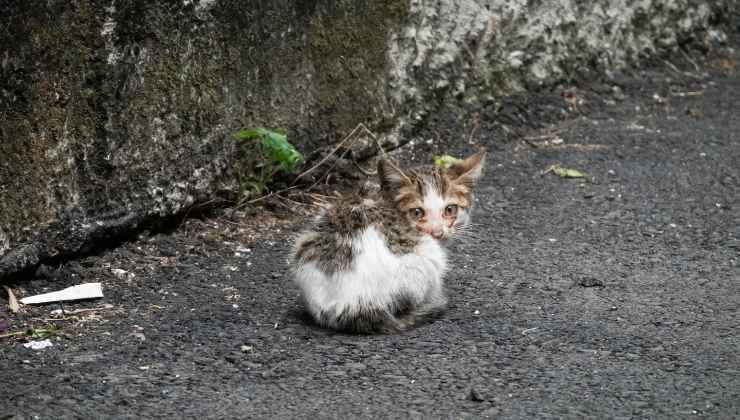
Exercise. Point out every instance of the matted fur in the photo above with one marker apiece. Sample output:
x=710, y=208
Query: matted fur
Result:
x=376, y=262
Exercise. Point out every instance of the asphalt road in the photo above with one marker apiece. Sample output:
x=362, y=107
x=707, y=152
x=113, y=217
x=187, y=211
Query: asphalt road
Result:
x=610, y=296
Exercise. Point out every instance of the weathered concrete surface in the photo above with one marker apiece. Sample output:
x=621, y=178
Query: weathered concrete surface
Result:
x=115, y=112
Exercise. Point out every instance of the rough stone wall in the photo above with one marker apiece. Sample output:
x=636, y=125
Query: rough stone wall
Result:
x=118, y=110
x=479, y=50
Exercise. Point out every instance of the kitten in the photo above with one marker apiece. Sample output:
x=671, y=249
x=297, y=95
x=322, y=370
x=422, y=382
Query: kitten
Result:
x=375, y=263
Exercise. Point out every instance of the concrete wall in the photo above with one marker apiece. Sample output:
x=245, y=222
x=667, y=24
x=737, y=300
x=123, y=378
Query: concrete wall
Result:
x=112, y=112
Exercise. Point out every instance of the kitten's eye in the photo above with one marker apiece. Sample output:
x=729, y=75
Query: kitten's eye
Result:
x=417, y=213
x=451, y=210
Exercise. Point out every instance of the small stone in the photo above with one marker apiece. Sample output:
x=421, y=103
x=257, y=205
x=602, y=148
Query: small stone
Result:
x=590, y=282
x=474, y=395
x=492, y=412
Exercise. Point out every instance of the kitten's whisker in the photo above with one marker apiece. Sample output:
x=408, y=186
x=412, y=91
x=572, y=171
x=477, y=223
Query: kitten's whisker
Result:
x=467, y=233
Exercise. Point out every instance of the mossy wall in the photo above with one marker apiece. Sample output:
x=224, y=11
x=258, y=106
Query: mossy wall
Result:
x=115, y=111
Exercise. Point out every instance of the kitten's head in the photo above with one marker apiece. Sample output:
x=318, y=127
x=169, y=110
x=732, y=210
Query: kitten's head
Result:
x=436, y=201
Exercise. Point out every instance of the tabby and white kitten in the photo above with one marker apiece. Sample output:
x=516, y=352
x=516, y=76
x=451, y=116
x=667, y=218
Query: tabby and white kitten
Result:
x=375, y=263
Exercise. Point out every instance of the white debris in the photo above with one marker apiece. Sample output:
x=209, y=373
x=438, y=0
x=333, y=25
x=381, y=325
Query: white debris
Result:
x=138, y=333
x=122, y=274
x=80, y=291
x=38, y=345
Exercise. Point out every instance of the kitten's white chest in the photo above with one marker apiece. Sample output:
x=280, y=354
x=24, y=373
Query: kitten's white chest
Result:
x=375, y=260
x=377, y=277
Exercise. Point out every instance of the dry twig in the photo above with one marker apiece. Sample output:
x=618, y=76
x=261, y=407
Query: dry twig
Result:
x=346, y=138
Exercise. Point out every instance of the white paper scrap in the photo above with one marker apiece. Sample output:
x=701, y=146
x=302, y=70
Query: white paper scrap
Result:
x=80, y=291
x=38, y=345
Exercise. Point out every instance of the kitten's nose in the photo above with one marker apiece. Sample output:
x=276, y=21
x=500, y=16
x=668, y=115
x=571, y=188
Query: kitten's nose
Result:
x=437, y=233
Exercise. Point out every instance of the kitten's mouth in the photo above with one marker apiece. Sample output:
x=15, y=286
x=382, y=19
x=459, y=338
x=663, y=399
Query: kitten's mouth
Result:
x=442, y=238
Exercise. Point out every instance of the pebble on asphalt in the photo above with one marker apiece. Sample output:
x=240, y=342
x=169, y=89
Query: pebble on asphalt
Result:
x=590, y=282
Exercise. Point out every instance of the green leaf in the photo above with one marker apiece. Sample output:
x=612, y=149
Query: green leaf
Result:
x=445, y=161
x=565, y=172
x=246, y=134
x=41, y=333
x=259, y=161
x=275, y=145
x=280, y=151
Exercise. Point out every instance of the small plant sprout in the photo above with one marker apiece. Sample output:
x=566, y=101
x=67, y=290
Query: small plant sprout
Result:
x=262, y=154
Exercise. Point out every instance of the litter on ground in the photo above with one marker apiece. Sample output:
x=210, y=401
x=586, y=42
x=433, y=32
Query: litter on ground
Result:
x=80, y=291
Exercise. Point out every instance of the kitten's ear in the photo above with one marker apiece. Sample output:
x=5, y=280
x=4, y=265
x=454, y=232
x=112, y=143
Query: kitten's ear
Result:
x=470, y=168
x=390, y=175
